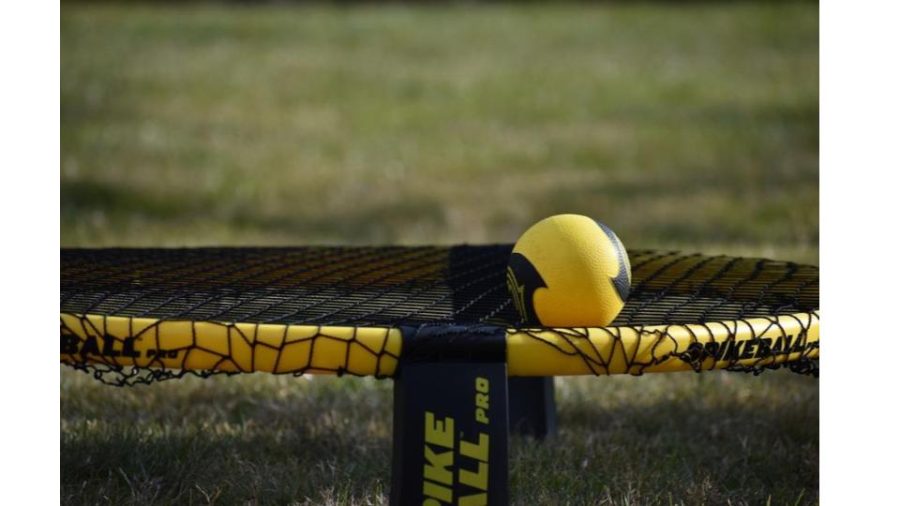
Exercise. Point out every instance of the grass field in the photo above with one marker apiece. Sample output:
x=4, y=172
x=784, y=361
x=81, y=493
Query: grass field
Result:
x=690, y=127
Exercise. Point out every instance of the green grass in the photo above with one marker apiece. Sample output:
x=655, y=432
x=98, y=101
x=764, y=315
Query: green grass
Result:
x=691, y=127
x=656, y=439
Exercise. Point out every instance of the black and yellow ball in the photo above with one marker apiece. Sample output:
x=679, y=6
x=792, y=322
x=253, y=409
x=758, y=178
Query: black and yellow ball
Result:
x=569, y=270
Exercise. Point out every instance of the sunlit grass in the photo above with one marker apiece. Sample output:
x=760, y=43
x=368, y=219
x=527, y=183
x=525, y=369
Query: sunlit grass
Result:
x=691, y=127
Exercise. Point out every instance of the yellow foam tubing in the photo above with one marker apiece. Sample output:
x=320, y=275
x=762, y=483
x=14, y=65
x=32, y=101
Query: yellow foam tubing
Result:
x=364, y=351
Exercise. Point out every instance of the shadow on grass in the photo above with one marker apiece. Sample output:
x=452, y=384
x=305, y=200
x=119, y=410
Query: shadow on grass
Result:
x=707, y=444
x=151, y=464
x=266, y=440
x=325, y=444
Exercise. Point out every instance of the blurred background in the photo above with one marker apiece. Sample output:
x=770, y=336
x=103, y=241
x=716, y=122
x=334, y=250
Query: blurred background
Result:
x=690, y=126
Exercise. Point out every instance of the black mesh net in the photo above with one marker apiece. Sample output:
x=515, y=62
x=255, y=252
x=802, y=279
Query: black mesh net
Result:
x=371, y=291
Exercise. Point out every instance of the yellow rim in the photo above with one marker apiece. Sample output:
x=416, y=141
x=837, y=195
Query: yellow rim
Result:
x=366, y=351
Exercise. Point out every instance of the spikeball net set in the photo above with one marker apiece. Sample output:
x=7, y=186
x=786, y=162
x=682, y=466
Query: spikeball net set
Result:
x=130, y=316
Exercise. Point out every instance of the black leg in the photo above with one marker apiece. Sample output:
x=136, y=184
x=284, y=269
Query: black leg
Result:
x=532, y=408
x=451, y=432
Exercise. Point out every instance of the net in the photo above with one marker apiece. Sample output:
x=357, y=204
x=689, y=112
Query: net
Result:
x=141, y=315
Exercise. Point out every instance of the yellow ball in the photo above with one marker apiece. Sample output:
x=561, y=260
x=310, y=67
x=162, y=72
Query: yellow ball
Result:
x=569, y=271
